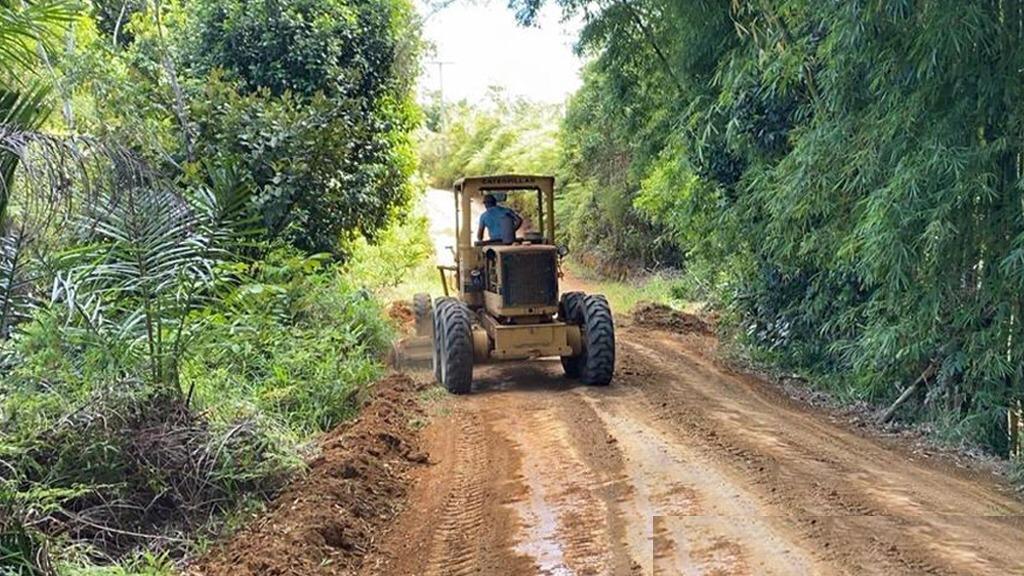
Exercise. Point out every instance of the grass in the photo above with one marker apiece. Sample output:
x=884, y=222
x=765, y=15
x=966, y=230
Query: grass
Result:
x=666, y=287
x=400, y=264
x=1017, y=473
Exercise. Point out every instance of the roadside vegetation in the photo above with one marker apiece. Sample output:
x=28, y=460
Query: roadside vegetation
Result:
x=501, y=134
x=203, y=202
x=192, y=199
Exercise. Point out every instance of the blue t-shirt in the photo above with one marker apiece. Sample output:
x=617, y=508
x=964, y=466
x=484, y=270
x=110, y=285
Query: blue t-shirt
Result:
x=500, y=223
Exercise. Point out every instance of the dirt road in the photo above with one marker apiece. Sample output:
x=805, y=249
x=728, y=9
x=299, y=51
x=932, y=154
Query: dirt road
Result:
x=681, y=467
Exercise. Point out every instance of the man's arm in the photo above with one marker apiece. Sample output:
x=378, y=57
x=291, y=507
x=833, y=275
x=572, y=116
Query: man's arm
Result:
x=480, y=229
x=517, y=220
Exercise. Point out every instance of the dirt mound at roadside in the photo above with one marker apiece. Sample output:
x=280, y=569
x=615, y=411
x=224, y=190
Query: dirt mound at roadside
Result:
x=402, y=315
x=325, y=521
x=663, y=317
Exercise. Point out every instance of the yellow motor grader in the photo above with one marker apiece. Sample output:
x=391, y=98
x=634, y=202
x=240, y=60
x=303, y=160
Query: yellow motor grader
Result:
x=501, y=300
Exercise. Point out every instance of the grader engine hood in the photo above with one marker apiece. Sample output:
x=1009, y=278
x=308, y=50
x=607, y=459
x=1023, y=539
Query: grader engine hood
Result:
x=521, y=280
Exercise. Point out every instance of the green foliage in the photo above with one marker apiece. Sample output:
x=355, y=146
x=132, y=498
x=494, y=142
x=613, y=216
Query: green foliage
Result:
x=25, y=25
x=150, y=257
x=665, y=286
x=334, y=47
x=22, y=552
x=26, y=30
x=303, y=345
x=287, y=351
x=313, y=96
x=399, y=252
x=327, y=158
x=112, y=18
x=166, y=353
x=503, y=135
x=848, y=174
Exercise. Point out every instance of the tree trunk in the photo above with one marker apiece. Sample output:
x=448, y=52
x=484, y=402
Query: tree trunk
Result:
x=928, y=374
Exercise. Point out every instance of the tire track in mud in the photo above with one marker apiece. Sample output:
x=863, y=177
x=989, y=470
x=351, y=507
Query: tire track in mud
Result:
x=694, y=519
x=682, y=467
x=563, y=517
x=837, y=522
x=837, y=489
x=455, y=551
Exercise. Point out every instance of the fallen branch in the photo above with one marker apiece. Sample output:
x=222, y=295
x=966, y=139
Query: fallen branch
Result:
x=108, y=529
x=923, y=379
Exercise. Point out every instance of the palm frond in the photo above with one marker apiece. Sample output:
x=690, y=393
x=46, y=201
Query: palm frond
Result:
x=26, y=111
x=16, y=281
x=58, y=173
x=151, y=256
x=24, y=25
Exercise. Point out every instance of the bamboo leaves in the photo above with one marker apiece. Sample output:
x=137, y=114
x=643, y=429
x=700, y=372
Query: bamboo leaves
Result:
x=851, y=172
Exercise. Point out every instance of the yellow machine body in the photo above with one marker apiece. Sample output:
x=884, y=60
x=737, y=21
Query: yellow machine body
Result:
x=511, y=288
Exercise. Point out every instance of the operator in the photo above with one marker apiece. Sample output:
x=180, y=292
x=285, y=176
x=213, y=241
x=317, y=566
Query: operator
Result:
x=501, y=222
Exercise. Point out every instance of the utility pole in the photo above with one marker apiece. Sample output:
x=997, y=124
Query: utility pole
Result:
x=440, y=76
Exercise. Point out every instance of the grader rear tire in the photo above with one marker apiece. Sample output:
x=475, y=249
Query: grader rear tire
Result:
x=570, y=311
x=455, y=353
x=423, y=312
x=597, y=364
x=440, y=307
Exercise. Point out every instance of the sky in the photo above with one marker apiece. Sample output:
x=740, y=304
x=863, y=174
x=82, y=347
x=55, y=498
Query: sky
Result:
x=481, y=46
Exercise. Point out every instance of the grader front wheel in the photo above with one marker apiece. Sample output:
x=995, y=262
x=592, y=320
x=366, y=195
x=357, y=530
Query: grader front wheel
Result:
x=596, y=363
x=453, y=346
x=423, y=312
x=570, y=311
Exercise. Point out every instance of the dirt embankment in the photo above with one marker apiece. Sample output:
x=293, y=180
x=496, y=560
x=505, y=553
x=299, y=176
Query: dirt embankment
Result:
x=325, y=521
x=401, y=313
x=662, y=317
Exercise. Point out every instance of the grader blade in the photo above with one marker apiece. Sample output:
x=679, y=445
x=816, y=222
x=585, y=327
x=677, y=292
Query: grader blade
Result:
x=416, y=351
x=412, y=352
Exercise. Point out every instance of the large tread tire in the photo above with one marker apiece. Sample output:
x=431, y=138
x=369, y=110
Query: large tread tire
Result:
x=570, y=307
x=570, y=311
x=423, y=312
x=456, y=352
x=598, y=359
x=437, y=335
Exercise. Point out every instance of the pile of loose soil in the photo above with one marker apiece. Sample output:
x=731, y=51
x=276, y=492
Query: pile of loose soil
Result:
x=326, y=521
x=402, y=315
x=663, y=317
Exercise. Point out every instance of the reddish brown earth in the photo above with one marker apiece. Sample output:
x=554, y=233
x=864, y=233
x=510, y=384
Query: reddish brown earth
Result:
x=662, y=317
x=327, y=520
x=682, y=466
x=400, y=312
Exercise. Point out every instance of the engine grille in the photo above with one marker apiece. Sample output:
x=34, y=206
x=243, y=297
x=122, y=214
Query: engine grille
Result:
x=530, y=279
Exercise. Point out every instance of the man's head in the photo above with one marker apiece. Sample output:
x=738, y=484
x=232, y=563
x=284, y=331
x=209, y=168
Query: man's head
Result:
x=490, y=201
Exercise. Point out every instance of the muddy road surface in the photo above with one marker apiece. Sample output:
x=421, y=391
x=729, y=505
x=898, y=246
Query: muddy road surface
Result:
x=681, y=467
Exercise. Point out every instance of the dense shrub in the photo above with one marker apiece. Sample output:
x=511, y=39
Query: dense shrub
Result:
x=116, y=466
x=314, y=98
x=174, y=325
x=302, y=345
